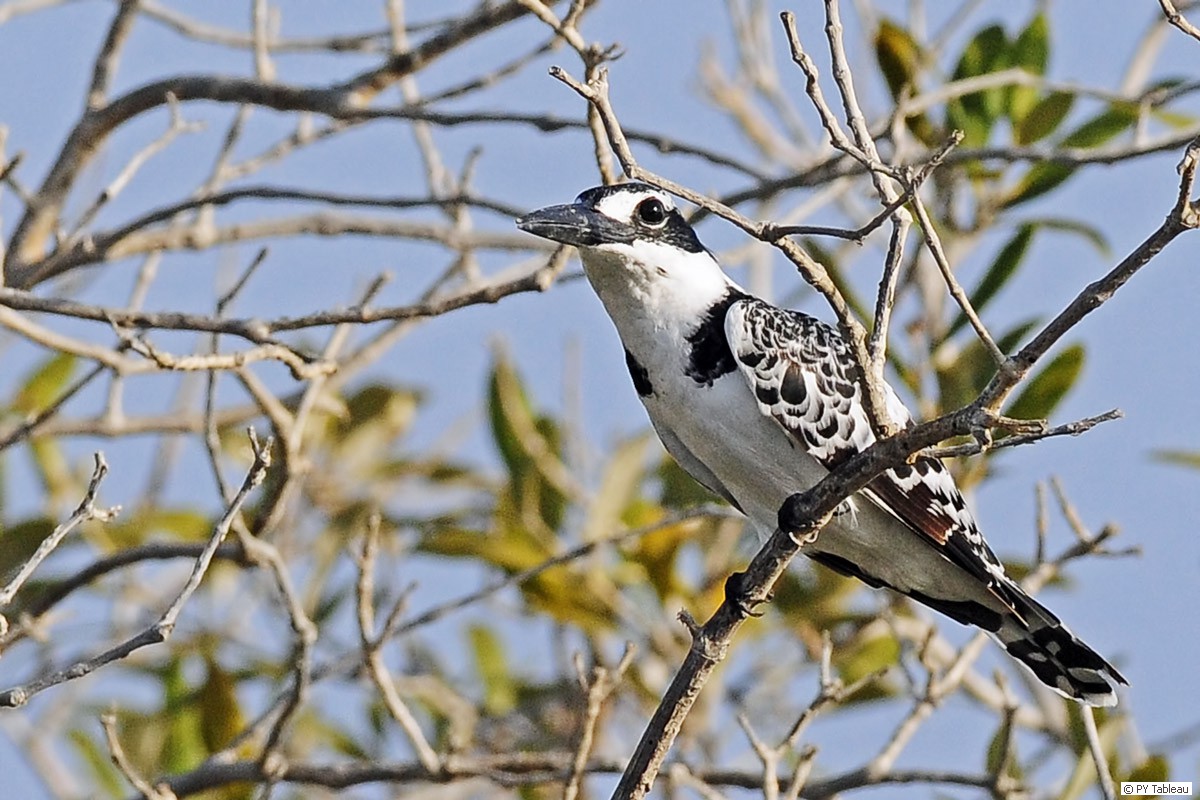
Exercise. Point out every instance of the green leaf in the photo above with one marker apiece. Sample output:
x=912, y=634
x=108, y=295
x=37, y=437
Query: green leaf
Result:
x=1047, y=389
x=899, y=56
x=867, y=654
x=45, y=385
x=975, y=113
x=1154, y=769
x=962, y=379
x=1084, y=774
x=183, y=748
x=500, y=691
x=1103, y=127
x=1037, y=180
x=1046, y=175
x=1043, y=118
x=680, y=490
x=829, y=261
x=18, y=542
x=527, y=444
x=622, y=477
x=1090, y=233
x=221, y=717
x=1183, y=458
x=181, y=524
x=98, y=762
x=1031, y=52
x=998, y=273
x=995, y=751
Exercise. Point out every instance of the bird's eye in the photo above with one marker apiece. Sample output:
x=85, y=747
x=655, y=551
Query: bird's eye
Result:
x=651, y=212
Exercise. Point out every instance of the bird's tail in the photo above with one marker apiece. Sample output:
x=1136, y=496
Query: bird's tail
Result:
x=1059, y=659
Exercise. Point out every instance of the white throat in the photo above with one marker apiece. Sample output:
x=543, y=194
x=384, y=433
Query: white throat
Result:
x=652, y=289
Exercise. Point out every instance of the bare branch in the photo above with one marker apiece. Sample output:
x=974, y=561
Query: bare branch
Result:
x=162, y=629
x=1176, y=18
x=85, y=512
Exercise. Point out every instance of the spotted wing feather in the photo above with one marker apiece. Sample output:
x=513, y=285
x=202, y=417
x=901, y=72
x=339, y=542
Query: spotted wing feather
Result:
x=803, y=376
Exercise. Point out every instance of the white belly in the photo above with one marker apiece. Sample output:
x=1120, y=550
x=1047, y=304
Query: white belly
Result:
x=760, y=465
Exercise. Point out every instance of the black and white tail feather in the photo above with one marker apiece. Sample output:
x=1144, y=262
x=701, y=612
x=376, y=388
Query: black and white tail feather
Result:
x=758, y=402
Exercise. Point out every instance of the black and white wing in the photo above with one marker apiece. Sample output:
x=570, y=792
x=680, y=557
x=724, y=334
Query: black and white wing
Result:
x=804, y=377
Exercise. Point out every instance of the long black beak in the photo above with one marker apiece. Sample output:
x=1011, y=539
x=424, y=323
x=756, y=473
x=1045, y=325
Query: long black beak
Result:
x=575, y=225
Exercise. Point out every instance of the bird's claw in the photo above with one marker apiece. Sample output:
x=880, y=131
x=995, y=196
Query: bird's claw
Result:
x=737, y=595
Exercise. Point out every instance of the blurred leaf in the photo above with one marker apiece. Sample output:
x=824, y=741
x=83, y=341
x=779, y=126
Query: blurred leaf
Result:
x=1030, y=51
x=962, y=379
x=997, y=274
x=53, y=469
x=680, y=490
x=867, y=656
x=181, y=524
x=1089, y=233
x=870, y=651
x=1047, y=389
x=375, y=417
x=525, y=442
x=98, y=762
x=828, y=260
x=45, y=384
x=1037, y=181
x=1154, y=769
x=509, y=550
x=975, y=113
x=1046, y=175
x=656, y=553
x=1183, y=458
x=500, y=692
x=1103, y=127
x=995, y=751
x=183, y=748
x=899, y=56
x=18, y=542
x=622, y=477
x=1043, y=118
x=221, y=717
x=1174, y=119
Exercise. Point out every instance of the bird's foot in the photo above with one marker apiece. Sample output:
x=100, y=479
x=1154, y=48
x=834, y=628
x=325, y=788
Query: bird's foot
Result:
x=737, y=594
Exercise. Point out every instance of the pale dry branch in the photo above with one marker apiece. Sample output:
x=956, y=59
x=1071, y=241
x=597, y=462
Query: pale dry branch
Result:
x=518, y=769
x=260, y=331
x=1176, y=18
x=85, y=512
x=161, y=630
x=934, y=243
x=372, y=640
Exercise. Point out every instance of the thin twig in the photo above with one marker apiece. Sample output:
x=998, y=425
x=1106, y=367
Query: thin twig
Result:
x=161, y=630
x=85, y=512
x=599, y=686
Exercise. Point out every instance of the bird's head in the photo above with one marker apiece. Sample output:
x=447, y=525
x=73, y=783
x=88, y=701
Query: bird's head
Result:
x=631, y=236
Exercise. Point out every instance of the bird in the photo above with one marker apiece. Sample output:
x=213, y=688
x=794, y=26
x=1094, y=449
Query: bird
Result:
x=758, y=403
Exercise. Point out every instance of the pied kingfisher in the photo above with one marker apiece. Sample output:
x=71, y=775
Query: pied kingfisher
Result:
x=758, y=402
